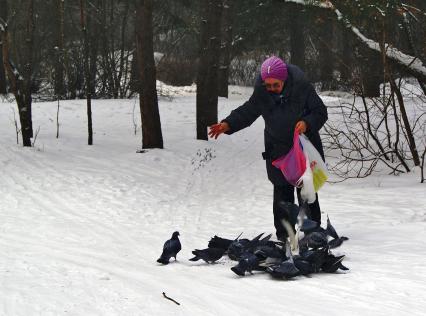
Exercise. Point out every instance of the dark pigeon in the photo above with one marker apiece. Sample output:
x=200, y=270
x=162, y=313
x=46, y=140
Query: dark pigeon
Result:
x=247, y=263
x=304, y=210
x=308, y=226
x=218, y=242
x=290, y=211
x=286, y=269
x=315, y=257
x=304, y=266
x=209, y=255
x=332, y=263
x=330, y=229
x=313, y=240
x=170, y=249
x=334, y=243
x=237, y=248
x=337, y=240
x=240, y=246
x=270, y=251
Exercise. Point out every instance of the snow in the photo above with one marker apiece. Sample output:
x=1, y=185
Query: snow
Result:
x=81, y=226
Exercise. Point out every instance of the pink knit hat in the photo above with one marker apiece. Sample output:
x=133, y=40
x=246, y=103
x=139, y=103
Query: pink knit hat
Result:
x=274, y=67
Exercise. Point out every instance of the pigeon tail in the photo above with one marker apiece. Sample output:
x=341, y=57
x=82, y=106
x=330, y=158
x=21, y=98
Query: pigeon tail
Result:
x=196, y=258
x=163, y=260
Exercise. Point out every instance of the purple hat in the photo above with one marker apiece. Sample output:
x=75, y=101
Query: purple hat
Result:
x=274, y=67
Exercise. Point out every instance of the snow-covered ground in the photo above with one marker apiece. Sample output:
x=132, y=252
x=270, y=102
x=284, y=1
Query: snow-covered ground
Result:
x=81, y=226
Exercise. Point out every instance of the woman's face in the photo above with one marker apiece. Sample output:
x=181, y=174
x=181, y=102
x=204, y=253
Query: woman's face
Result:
x=274, y=85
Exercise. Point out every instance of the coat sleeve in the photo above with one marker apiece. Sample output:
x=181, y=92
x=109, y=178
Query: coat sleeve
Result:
x=315, y=111
x=244, y=115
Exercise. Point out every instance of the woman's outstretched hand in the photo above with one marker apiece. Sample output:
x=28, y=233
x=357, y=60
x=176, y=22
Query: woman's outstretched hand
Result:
x=217, y=129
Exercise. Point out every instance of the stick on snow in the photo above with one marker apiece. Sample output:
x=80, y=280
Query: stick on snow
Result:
x=165, y=296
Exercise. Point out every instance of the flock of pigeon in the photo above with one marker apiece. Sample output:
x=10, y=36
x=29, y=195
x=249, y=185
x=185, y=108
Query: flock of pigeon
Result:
x=282, y=259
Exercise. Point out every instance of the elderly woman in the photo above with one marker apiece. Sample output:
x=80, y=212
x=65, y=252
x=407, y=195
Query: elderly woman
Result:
x=287, y=102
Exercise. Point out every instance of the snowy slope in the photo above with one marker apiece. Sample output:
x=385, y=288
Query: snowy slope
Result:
x=81, y=227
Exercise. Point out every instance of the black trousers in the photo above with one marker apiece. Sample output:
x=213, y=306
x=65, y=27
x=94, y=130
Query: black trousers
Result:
x=286, y=193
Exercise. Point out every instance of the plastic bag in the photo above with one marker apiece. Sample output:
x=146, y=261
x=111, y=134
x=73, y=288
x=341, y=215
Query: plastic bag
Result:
x=317, y=165
x=292, y=165
x=308, y=190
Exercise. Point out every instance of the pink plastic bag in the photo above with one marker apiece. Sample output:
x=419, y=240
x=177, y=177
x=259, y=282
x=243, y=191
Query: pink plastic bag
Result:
x=292, y=165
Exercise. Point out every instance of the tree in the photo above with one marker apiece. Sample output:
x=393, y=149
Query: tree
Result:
x=225, y=47
x=20, y=75
x=296, y=29
x=150, y=115
x=59, y=49
x=3, y=18
x=88, y=88
x=207, y=78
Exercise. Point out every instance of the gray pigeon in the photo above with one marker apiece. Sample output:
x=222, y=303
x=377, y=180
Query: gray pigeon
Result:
x=170, y=249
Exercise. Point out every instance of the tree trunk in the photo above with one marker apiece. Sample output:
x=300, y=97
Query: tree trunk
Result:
x=371, y=73
x=326, y=58
x=94, y=27
x=207, y=86
x=227, y=20
x=88, y=87
x=20, y=86
x=121, y=82
x=28, y=70
x=150, y=116
x=297, y=35
x=3, y=16
x=346, y=63
x=59, y=64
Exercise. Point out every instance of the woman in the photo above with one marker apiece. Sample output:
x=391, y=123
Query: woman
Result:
x=287, y=102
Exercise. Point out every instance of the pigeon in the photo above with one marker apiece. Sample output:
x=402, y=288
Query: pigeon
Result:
x=289, y=211
x=288, y=215
x=333, y=263
x=308, y=226
x=337, y=240
x=315, y=257
x=313, y=240
x=286, y=269
x=270, y=251
x=240, y=246
x=170, y=249
x=304, y=266
x=237, y=248
x=247, y=263
x=209, y=255
x=330, y=229
x=218, y=242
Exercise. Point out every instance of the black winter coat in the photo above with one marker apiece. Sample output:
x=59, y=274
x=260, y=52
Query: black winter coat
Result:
x=298, y=101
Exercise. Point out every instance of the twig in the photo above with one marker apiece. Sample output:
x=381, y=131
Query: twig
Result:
x=35, y=136
x=57, y=120
x=18, y=130
x=135, y=125
x=170, y=299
